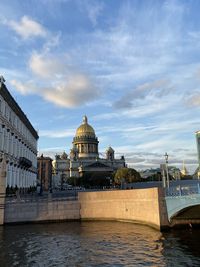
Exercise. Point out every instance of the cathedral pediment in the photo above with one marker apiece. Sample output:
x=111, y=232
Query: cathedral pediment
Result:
x=97, y=165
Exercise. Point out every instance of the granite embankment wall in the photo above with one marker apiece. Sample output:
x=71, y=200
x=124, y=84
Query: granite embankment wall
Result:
x=41, y=211
x=146, y=206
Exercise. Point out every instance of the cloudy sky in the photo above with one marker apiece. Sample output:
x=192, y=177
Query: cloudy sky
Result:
x=133, y=67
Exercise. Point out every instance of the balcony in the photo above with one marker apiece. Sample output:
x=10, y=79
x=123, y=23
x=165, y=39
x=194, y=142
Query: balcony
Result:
x=25, y=162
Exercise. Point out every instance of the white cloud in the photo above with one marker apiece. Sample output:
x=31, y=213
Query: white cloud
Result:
x=27, y=28
x=52, y=41
x=25, y=88
x=46, y=66
x=61, y=85
x=147, y=107
x=146, y=49
x=156, y=89
x=94, y=11
x=51, y=151
x=73, y=91
x=57, y=134
x=194, y=100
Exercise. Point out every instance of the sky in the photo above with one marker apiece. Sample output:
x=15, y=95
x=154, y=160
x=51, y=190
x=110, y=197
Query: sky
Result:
x=133, y=67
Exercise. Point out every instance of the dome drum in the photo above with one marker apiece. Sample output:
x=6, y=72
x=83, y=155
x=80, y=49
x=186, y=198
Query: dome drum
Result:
x=85, y=139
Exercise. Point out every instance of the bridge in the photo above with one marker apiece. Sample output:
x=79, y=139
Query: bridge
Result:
x=183, y=201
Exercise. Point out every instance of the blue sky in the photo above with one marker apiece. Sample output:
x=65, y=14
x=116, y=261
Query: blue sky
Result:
x=133, y=67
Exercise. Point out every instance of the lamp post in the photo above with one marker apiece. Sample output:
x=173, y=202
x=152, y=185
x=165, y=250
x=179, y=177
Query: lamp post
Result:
x=166, y=165
x=162, y=167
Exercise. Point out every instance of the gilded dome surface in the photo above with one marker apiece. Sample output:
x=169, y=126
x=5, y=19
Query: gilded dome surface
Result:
x=85, y=129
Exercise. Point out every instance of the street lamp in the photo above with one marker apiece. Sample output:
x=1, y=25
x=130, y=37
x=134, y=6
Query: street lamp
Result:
x=162, y=168
x=166, y=165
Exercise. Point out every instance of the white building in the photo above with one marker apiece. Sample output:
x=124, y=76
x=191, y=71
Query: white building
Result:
x=18, y=142
x=198, y=152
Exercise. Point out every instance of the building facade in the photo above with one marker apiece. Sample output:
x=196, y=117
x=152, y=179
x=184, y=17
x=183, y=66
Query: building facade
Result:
x=18, y=142
x=44, y=178
x=84, y=156
x=198, y=151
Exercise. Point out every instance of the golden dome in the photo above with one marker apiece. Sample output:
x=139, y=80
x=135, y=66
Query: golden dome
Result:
x=85, y=129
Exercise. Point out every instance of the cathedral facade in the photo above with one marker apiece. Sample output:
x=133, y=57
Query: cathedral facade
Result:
x=84, y=156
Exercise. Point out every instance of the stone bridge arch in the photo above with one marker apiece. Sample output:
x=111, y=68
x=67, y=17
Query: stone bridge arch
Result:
x=180, y=204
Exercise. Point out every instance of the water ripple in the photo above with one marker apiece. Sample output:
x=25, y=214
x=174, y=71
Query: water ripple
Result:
x=102, y=244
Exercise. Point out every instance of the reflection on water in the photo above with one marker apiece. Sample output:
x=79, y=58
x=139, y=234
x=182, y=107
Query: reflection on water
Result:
x=97, y=244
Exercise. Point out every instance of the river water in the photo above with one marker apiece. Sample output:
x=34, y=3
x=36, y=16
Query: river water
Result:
x=85, y=244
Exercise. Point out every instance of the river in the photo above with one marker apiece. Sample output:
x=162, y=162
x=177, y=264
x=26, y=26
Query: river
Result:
x=85, y=244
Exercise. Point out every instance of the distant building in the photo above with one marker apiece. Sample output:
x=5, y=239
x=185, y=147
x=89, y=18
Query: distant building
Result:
x=174, y=172
x=198, y=151
x=184, y=171
x=84, y=156
x=18, y=142
x=149, y=173
x=44, y=172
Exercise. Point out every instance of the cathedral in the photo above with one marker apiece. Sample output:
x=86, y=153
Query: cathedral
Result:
x=84, y=156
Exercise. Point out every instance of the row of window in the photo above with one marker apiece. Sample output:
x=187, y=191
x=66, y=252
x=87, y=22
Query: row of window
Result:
x=14, y=120
x=11, y=145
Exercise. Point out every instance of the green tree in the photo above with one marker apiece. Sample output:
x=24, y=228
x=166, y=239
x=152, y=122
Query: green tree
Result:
x=127, y=175
x=154, y=177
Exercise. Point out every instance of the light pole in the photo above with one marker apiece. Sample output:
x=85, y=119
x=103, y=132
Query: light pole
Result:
x=166, y=165
x=162, y=168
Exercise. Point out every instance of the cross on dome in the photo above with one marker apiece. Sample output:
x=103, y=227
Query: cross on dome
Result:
x=85, y=119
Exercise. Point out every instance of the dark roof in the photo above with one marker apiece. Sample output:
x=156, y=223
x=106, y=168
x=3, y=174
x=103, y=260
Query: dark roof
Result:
x=16, y=108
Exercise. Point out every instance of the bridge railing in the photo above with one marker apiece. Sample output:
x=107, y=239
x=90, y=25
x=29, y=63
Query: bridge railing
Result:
x=182, y=190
